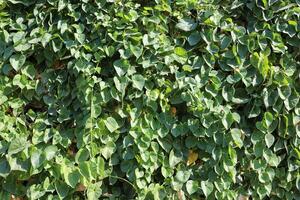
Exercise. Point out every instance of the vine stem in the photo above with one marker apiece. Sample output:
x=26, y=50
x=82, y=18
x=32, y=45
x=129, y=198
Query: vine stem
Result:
x=92, y=114
x=123, y=179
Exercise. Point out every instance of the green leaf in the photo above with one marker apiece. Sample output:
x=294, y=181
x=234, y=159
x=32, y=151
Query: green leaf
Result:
x=227, y=120
x=62, y=189
x=19, y=81
x=192, y=186
x=174, y=158
x=212, y=48
x=36, y=191
x=46, y=39
x=121, y=83
x=17, y=61
x=268, y=118
x=298, y=182
x=72, y=177
x=261, y=62
x=237, y=137
x=101, y=167
x=271, y=158
x=178, y=130
x=62, y=4
x=270, y=139
x=82, y=155
x=18, y=164
x=37, y=159
x=85, y=170
x=186, y=24
x=94, y=191
x=4, y=168
x=284, y=92
x=3, y=99
x=108, y=150
x=180, y=52
x=111, y=124
x=50, y=151
x=29, y=71
x=194, y=38
x=121, y=66
x=187, y=68
x=225, y=42
x=228, y=93
x=183, y=176
x=80, y=37
x=17, y=145
x=136, y=50
x=207, y=187
x=138, y=81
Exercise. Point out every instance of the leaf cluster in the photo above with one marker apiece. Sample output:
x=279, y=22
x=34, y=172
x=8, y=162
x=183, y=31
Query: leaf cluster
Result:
x=161, y=99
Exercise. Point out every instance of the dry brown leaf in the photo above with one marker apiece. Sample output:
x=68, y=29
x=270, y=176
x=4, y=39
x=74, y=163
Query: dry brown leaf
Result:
x=80, y=188
x=13, y=197
x=193, y=156
x=179, y=193
x=243, y=197
x=173, y=111
x=58, y=65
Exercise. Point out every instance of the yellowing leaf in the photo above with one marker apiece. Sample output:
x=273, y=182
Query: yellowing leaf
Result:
x=192, y=157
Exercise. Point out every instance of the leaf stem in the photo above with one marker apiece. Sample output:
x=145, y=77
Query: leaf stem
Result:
x=123, y=179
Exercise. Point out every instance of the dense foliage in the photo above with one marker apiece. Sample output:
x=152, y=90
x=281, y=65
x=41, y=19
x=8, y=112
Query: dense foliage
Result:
x=149, y=99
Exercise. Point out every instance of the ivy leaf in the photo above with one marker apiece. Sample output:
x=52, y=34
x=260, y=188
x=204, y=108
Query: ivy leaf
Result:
x=298, y=182
x=207, y=187
x=261, y=62
x=227, y=120
x=4, y=168
x=72, y=177
x=284, y=92
x=37, y=159
x=270, y=139
x=62, y=4
x=180, y=52
x=85, y=170
x=268, y=118
x=17, y=145
x=111, y=124
x=50, y=151
x=174, y=158
x=186, y=24
x=101, y=167
x=192, y=186
x=138, y=81
x=183, y=176
x=17, y=61
x=94, y=191
x=108, y=150
x=121, y=83
x=121, y=66
x=62, y=189
x=194, y=38
x=136, y=50
x=237, y=137
x=82, y=155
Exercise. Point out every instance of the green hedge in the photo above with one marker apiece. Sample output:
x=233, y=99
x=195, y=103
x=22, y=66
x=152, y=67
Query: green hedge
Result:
x=149, y=99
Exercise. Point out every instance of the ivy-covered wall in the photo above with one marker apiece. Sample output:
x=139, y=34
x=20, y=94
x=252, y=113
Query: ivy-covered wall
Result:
x=149, y=99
